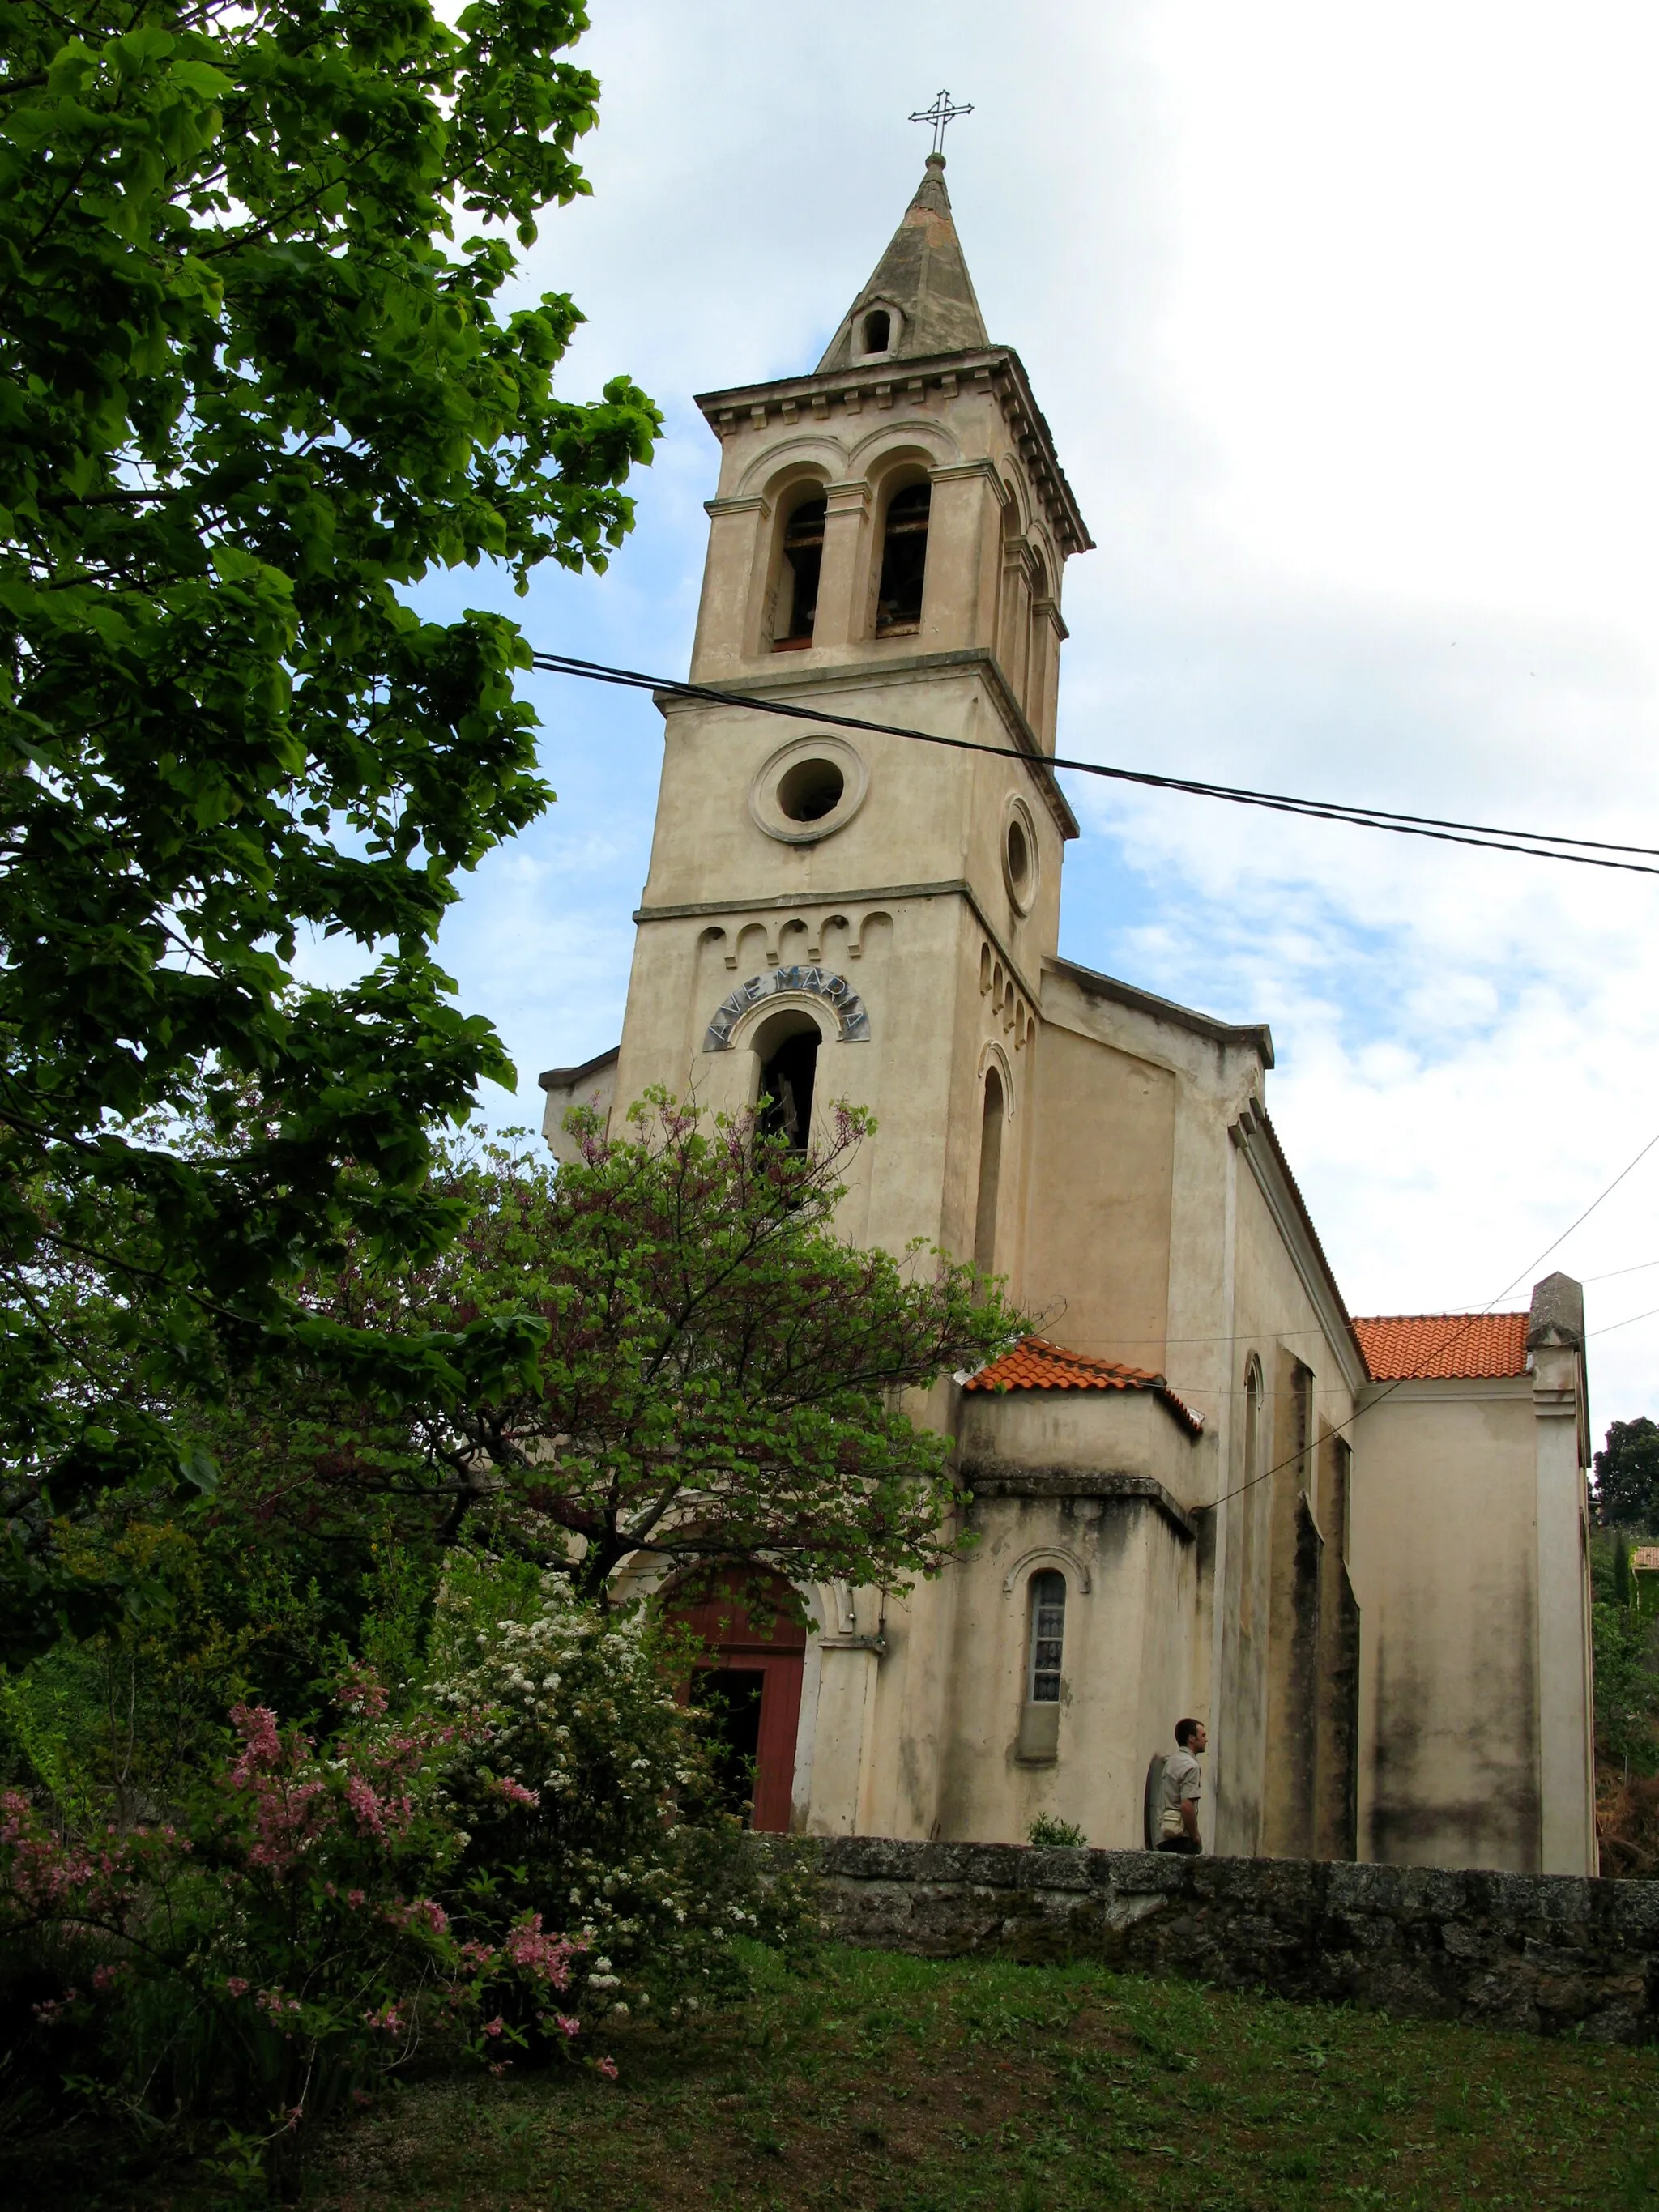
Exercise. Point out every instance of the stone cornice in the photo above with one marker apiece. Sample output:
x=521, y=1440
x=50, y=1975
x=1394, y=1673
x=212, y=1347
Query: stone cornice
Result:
x=1459, y=1389
x=997, y=370
x=998, y=1478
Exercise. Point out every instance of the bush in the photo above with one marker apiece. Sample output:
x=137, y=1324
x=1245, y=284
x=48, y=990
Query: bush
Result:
x=1048, y=1834
x=281, y=1944
x=586, y=1780
x=526, y=1847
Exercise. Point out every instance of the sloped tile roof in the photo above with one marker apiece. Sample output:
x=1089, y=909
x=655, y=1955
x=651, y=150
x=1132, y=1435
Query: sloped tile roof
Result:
x=1461, y=1347
x=1036, y=1365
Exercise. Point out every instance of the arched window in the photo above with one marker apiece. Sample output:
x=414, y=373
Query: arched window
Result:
x=803, y=561
x=789, y=1063
x=877, y=330
x=904, y=562
x=1048, y=1637
x=990, y=1174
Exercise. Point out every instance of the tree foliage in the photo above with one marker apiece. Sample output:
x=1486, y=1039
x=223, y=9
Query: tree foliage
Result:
x=256, y=382
x=1627, y=1475
x=720, y=1378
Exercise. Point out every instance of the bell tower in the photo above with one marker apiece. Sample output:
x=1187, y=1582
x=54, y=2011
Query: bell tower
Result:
x=842, y=914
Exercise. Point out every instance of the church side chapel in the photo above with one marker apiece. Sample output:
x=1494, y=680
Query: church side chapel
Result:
x=1356, y=1549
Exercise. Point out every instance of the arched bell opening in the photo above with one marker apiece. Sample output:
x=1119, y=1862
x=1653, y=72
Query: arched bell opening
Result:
x=903, y=560
x=801, y=569
x=787, y=1046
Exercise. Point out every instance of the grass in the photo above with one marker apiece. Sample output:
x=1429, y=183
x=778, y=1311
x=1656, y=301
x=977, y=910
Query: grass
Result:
x=882, y=2083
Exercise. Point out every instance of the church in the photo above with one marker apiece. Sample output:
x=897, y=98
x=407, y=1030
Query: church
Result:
x=1357, y=1549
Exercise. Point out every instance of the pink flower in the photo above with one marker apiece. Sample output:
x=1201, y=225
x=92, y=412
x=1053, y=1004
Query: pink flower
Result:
x=371, y=1816
x=567, y=2026
x=361, y=1691
x=261, y=1745
x=607, y=2067
x=494, y=2026
x=547, y=1957
x=515, y=1791
x=238, y=1986
x=388, y=2018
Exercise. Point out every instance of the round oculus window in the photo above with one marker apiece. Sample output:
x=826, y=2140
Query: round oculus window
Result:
x=808, y=789
x=1020, y=857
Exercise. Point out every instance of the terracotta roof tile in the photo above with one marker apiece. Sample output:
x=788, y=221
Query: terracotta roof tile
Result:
x=1461, y=1347
x=1036, y=1365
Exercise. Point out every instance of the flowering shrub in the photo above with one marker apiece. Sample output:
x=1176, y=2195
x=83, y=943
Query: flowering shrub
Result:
x=584, y=1788
x=295, y=1936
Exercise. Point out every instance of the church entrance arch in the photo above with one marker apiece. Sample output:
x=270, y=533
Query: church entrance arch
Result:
x=749, y=1681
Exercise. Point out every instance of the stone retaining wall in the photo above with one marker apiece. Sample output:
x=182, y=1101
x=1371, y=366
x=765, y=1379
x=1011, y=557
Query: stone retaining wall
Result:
x=1550, y=1953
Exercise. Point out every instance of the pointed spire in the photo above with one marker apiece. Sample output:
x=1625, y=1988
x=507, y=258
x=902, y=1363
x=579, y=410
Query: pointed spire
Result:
x=922, y=282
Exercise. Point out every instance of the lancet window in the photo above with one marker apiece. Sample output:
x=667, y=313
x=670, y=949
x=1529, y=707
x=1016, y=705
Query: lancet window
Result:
x=990, y=1174
x=1048, y=1637
x=1250, y=1499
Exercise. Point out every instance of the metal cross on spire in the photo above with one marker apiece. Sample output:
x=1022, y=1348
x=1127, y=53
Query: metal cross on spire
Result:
x=938, y=115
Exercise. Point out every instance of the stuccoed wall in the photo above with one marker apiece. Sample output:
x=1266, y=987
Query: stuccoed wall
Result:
x=1547, y=1953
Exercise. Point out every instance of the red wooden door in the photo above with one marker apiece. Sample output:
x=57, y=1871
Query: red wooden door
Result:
x=746, y=1653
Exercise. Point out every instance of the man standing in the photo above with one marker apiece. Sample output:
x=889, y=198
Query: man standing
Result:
x=1182, y=1786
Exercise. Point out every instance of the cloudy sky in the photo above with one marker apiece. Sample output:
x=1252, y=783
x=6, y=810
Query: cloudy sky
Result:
x=1343, y=316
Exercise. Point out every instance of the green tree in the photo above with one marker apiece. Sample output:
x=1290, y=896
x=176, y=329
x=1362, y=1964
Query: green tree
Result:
x=1626, y=1688
x=1627, y=1475
x=721, y=1379
x=255, y=384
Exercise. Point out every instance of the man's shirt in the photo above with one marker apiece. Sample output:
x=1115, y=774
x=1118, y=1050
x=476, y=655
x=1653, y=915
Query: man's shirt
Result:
x=1183, y=1778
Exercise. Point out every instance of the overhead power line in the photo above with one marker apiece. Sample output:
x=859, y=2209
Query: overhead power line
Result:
x=1536, y=844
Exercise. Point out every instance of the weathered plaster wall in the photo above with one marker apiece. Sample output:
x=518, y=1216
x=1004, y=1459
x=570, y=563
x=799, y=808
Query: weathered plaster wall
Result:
x=1097, y=1231
x=1129, y=1577
x=1549, y=1954
x=1278, y=1565
x=1443, y=1515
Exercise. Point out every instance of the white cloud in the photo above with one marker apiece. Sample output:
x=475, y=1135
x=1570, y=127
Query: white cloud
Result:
x=1344, y=322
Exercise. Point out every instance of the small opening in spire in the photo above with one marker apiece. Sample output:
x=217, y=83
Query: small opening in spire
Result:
x=878, y=331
